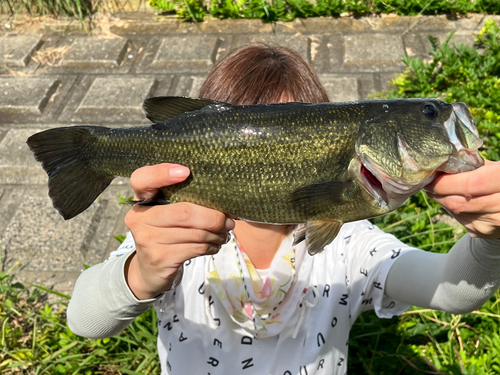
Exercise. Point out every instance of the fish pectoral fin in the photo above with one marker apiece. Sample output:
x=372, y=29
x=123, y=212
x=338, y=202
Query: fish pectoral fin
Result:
x=318, y=234
x=161, y=108
x=315, y=199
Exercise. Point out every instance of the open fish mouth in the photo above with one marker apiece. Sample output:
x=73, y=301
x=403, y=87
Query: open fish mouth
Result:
x=373, y=185
x=391, y=191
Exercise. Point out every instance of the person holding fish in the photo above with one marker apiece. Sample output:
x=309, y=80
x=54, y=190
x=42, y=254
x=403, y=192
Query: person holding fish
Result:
x=277, y=293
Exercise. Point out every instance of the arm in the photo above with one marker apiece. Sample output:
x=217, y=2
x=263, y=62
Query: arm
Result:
x=109, y=296
x=102, y=305
x=457, y=282
x=469, y=274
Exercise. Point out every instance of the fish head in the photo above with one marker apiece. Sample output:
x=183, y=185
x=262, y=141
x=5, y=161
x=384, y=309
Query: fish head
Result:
x=402, y=144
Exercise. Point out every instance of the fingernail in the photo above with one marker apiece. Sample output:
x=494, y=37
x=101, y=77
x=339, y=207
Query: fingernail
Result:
x=230, y=224
x=179, y=171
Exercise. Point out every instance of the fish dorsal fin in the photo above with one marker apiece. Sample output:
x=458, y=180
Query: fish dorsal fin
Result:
x=318, y=198
x=161, y=108
x=318, y=234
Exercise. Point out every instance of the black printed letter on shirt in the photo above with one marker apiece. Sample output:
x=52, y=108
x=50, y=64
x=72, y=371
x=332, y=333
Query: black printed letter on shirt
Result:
x=343, y=299
x=247, y=363
x=320, y=364
x=395, y=253
x=246, y=340
x=326, y=291
x=320, y=338
x=201, y=289
x=213, y=361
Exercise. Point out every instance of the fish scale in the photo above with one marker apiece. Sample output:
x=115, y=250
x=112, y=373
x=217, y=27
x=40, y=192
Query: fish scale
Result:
x=290, y=163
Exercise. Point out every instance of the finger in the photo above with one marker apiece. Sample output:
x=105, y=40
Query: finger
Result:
x=147, y=180
x=482, y=181
x=486, y=204
x=486, y=227
x=186, y=251
x=180, y=215
x=172, y=236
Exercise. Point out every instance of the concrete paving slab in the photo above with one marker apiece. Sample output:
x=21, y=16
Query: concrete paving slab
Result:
x=108, y=99
x=329, y=25
x=340, y=89
x=432, y=23
x=31, y=99
x=385, y=81
x=17, y=52
x=475, y=22
x=196, y=86
x=373, y=52
x=17, y=164
x=418, y=44
x=194, y=52
x=237, y=26
x=95, y=53
x=183, y=86
x=327, y=53
x=188, y=86
x=182, y=54
x=109, y=95
x=26, y=96
x=69, y=55
x=58, y=245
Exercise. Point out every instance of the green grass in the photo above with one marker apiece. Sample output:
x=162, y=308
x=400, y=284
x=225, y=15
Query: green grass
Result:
x=36, y=340
x=288, y=10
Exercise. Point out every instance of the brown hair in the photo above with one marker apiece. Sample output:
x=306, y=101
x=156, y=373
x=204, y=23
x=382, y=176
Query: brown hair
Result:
x=263, y=74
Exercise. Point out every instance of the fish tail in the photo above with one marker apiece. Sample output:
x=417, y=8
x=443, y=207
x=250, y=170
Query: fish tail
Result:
x=73, y=181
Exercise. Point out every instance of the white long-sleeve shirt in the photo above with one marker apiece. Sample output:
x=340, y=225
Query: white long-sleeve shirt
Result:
x=362, y=269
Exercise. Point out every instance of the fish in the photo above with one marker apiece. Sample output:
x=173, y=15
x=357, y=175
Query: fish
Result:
x=321, y=164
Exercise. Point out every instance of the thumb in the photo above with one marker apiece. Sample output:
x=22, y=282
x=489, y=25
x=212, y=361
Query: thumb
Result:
x=146, y=181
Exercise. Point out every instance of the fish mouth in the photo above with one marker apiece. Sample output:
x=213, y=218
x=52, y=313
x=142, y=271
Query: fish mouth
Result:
x=389, y=192
x=373, y=185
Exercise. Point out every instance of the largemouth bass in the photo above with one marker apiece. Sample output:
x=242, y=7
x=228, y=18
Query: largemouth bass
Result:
x=289, y=163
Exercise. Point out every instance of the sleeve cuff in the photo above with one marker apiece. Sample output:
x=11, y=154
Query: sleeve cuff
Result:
x=121, y=297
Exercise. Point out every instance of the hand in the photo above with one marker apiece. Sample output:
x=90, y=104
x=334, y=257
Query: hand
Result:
x=168, y=235
x=472, y=198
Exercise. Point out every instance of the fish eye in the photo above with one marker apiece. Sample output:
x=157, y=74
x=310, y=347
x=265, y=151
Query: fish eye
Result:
x=429, y=110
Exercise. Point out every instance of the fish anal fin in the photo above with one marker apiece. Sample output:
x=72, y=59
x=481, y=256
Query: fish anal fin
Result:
x=319, y=234
x=318, y=198
x=161, y=108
